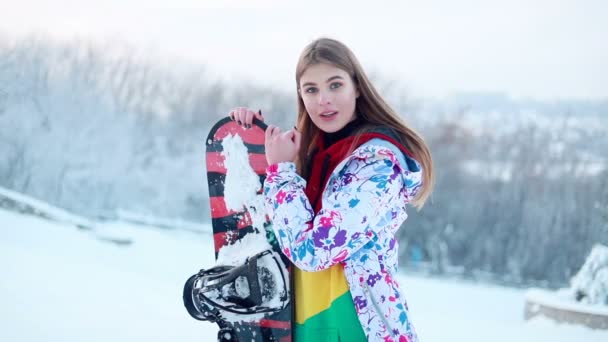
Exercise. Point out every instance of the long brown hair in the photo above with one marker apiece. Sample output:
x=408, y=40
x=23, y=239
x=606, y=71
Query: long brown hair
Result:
x=370, y=108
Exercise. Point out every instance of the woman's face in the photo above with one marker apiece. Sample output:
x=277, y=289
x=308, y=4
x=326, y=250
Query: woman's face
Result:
x=329, y=95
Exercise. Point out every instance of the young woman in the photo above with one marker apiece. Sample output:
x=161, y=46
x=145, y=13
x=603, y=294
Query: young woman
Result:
x=336, y=189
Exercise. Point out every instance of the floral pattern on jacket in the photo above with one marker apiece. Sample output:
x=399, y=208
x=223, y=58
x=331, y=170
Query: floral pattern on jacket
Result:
x=363, y=205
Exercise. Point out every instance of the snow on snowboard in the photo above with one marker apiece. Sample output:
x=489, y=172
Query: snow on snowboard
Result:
x=248, y=292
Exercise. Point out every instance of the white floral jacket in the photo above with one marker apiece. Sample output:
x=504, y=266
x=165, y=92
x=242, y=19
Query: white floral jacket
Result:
x=363, y=205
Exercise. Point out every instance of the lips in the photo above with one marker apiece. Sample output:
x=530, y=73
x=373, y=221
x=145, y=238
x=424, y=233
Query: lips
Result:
x=327, y=114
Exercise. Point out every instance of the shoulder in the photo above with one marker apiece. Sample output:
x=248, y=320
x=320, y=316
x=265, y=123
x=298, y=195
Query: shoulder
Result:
x=379, y=156
x=382, y=148
x=388, y=161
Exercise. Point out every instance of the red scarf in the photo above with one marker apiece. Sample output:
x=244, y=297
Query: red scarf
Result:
x=325, y=160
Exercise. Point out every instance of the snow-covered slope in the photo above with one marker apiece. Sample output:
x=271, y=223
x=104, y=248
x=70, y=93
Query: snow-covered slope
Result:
x=61, y=283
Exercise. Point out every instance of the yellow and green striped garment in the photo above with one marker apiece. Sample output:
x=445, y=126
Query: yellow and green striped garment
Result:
x=325, y=311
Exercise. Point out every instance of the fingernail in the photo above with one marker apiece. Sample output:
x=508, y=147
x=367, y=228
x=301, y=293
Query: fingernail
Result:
x=248, y=125
x=239, y=122
x=260, y=111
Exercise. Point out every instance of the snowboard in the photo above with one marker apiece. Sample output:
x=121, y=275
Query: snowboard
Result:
x=230, y=226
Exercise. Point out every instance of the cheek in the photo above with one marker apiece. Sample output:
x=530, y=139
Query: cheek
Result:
x=348, y=99
x=308, y=104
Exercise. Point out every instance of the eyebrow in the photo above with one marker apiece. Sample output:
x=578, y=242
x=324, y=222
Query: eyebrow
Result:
x=328, y=80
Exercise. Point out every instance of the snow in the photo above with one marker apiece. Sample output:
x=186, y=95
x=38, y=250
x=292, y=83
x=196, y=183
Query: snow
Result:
x=63, y=284
x=242, y=183
x=240, y=192
x=168, y=223
x=235, y=254
x=51, y=212
x=504, y=171
x=562, y=300
x=592, y=278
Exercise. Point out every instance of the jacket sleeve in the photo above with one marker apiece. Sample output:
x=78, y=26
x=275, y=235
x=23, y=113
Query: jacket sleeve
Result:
x=364, y=198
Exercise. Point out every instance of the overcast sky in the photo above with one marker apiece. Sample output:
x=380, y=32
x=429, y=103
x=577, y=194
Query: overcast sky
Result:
x=537, y=48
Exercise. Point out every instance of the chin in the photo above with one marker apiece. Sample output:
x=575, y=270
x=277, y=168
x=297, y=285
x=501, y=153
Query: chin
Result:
x=330, y=129
x=327, y=130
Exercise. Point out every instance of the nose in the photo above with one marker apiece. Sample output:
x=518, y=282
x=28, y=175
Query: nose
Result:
x=324, y=97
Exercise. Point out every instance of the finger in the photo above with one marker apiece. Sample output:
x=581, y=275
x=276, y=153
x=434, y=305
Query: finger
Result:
x=276, y=131
x=268, y=134
x=258, y=115
x=231, y=115
x=249, y=118
x=240, y=115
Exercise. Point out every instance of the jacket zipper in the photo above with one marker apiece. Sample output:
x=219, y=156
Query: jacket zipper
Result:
x=322, y=177
x=324, y=172
x=377, y=308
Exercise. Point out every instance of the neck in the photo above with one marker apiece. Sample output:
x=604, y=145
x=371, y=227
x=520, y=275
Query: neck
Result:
x=331, y=138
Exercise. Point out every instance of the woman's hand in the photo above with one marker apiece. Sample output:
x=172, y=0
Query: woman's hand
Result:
x=244, y=116
x=281, y=146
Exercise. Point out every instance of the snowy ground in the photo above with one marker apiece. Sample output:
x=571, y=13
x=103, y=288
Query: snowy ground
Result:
x=60, y=283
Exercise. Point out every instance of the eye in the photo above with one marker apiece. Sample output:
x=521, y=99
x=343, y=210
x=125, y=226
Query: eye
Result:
x=335, y=85
x=311, y=90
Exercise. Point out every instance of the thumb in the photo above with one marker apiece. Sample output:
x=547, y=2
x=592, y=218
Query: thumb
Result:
x=297, y=138
x=288, y=135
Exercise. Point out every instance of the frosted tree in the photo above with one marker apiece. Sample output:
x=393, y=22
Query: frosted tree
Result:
x=590, y=284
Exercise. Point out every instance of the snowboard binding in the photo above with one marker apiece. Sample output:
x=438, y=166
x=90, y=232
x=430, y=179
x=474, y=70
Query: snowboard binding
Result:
x=223, y=293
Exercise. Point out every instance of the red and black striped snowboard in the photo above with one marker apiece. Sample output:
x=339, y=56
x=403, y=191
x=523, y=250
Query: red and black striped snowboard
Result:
x=229, y=225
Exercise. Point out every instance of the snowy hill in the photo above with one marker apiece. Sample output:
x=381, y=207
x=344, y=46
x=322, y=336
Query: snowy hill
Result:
x=61, y=283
